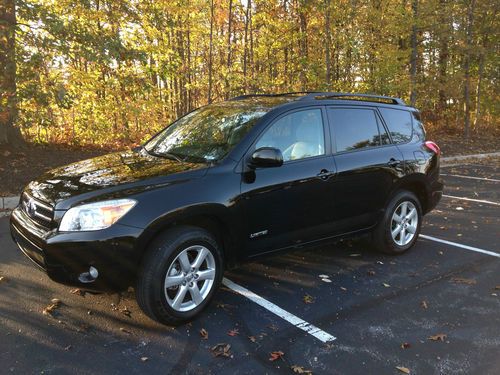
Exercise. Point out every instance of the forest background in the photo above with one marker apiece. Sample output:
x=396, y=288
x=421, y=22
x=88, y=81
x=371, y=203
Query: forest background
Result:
x=113, y=72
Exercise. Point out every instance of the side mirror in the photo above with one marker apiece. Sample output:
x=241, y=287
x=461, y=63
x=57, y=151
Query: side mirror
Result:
x=266, y=157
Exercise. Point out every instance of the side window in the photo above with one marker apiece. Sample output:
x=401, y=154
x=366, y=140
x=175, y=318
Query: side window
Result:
x=356, y=128
x=297, y=135
x=399, y=124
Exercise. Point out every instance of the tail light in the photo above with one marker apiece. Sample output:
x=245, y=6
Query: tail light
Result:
x=432, y=146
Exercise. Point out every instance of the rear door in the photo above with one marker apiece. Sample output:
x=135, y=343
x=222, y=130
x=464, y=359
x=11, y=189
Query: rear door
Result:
x=368, y=165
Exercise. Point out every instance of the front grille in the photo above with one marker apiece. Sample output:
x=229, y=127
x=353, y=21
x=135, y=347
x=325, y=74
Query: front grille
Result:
x=32, y=251
x=40, y=212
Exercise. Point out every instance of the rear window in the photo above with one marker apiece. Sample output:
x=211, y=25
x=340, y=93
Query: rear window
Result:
x=355, y=128
x=399, y=124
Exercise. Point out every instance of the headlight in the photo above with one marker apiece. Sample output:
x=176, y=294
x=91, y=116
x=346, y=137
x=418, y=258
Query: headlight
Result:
x=95, y=216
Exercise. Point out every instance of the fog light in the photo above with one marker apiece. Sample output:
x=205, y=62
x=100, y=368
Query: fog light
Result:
x=89, y=276
x=93, y=272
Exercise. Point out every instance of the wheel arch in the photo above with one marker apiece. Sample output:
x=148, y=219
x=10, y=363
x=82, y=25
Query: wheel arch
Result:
x=415, y=183
x=214, y=218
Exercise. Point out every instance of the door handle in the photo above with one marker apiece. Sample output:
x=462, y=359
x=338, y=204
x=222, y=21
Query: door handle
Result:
x=324, y=174
x=393, y=163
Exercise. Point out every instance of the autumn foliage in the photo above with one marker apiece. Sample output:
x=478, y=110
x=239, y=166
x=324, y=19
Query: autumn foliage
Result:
x=114, y=72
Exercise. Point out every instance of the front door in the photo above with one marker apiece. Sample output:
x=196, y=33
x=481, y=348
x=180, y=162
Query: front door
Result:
x=291, y=204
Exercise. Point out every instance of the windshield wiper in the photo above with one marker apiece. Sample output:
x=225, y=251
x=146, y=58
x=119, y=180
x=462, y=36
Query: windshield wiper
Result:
x=167, y=155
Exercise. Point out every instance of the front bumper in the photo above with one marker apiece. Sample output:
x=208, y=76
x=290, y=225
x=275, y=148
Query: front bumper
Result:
x=114, y=252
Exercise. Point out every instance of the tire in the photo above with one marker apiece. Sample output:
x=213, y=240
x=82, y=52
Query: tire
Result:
x=383, y=239
x=174, y=254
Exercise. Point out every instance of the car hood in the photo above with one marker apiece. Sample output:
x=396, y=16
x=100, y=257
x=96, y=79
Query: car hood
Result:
x=105, y=175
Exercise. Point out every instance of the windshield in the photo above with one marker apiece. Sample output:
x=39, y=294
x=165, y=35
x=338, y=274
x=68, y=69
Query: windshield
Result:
x=206, y=134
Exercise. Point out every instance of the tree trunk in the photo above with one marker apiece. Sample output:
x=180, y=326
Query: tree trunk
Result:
x=245, y=51
x=229, y=36
x=413, y=56
x=480, y=73
x=443, y=55
x=210, y=73
x=468, y=47
x=303, y=49
x=8, y=99
x=328, y=41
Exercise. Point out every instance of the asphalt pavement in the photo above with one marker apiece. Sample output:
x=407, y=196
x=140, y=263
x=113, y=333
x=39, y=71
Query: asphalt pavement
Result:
x=433, y=310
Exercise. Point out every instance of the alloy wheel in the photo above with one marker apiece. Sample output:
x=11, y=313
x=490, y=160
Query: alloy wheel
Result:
x=190, y=278
x=404, y=223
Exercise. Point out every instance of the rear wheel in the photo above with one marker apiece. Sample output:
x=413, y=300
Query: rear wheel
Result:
x=399, y=228
x=179, y=275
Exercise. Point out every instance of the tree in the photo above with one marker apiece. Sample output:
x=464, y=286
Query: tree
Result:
x=8, y=98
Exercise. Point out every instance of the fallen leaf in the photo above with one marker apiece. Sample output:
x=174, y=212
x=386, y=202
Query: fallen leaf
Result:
x=78, y=292
x=438, y=337
x=497, y=287
x=324, y=276
x=300, y=370
x=252, y=338
x=125, y=331
x=221, y=350
x=204, y=334
x=344, y=289
x=234, y=332
x=405, y=345
x=354, y=255
x=6, y=153
x=68, y=348
x=125, y=311
x=308, y=299
x=386, y=285
x=424, y=304
x=276, y=355
x=3, y=279
x=273, y=327
x=50, y=309
x=144, y=359
x=461, y=280
x=326, y=280
x=403, y=369
x=459, y=208
x=370, y=273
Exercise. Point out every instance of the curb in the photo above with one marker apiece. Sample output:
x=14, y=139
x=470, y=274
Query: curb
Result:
x=473, y=156
x=9, y=203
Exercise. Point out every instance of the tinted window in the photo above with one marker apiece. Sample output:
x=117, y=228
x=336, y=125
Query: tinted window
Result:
x=356, y=128
x=298, y=135
x=399, y=124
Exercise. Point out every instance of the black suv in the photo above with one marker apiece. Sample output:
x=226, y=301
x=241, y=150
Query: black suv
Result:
x=226, y=183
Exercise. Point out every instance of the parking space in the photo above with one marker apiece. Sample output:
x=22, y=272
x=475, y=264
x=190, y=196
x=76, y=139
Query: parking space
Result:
x=434, y=310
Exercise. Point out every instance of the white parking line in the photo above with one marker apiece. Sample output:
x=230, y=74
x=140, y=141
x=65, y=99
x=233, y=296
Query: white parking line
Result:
x=471, y=200
x=466, y=247
x=471, y=177
x=289, y=317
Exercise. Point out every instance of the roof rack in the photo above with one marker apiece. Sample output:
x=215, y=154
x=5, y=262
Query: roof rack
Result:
x=329, y=95
x=354, y=96
x=246, y=96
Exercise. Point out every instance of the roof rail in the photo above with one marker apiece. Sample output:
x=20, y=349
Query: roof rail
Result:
x=241, y=97
x=354, y=96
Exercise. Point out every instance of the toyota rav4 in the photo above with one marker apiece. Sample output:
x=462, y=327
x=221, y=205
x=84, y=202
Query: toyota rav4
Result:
x=226, y=183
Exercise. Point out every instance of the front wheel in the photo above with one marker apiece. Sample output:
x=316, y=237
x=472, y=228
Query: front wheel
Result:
x=179, y=275
x=399, y=228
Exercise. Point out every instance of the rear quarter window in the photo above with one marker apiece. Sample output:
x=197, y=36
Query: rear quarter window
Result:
x=399, y=123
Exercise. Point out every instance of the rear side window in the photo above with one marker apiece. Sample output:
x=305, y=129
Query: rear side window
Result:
x=399, y=124
x=355, y=128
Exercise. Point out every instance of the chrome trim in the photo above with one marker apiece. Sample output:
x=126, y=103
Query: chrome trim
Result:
x=42, y=216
